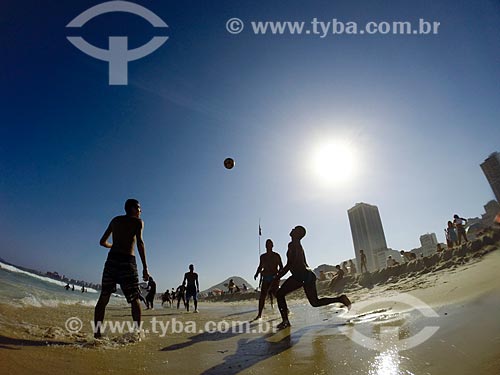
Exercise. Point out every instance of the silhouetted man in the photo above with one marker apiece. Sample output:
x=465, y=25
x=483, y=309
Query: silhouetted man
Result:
x=120, y=266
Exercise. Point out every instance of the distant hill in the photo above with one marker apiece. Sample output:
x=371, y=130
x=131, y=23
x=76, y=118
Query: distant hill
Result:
x=324, y=268
x=239, y=281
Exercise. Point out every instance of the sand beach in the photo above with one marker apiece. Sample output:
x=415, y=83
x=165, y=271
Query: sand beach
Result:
x=463, y=296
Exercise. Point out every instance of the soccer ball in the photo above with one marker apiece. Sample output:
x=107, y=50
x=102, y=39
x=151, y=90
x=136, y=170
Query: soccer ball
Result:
x=229, y=163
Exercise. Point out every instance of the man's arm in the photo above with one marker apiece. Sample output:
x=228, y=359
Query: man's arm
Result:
x=142, y=251
x=290, y=259
x=184, y=280
x=280, y=265
x=104, y=239
x=197, y=284
x=259, y=269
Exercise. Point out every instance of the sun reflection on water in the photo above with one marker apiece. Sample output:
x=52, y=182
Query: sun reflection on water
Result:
x=387, y=363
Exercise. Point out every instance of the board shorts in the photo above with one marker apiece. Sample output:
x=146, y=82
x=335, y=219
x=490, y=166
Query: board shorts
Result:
x=191, y=292
x=268, y=278
x=121, y=269
x=306, y=277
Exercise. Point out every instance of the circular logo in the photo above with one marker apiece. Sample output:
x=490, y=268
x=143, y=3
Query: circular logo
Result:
x=73, y=325
x=234, y=25
x=380, y=343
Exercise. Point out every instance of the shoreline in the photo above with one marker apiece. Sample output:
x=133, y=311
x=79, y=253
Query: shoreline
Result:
x=465, y=298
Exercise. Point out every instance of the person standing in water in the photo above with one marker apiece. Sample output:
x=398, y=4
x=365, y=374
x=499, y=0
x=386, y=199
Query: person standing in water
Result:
x=302, y=277
x=120, y=266
x=192, y=287
x=270, y=264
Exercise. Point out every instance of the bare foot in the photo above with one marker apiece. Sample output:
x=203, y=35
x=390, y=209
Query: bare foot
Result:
x=283, y=325
x=345, y=301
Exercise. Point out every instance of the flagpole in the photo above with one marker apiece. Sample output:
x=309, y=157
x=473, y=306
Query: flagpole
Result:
x=260, y=234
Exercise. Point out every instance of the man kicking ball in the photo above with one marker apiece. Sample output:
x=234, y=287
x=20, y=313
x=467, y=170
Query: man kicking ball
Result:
x=302, y=277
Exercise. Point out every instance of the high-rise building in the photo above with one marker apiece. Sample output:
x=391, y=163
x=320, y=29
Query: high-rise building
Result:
x=491, y=210
x=429, y=243
x=491, y=169
x=368, y=235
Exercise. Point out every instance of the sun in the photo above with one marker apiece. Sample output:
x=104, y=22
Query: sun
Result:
x=334, y=162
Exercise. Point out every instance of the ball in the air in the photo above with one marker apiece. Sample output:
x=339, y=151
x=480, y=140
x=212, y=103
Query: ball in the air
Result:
x=229, y=163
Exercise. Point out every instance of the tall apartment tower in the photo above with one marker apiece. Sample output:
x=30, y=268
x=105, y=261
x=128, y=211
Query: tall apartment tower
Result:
x=491, y=169
x=429, y=243
x=368, y=235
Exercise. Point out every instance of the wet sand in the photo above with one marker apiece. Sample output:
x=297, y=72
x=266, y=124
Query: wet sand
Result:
x=466, y=300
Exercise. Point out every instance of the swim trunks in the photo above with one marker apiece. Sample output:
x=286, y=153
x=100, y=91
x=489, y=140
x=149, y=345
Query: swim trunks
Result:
x=121, y=269
x=306, y=277
x=191, y=291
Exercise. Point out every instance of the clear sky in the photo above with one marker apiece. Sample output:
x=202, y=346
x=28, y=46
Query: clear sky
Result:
x=419, y=113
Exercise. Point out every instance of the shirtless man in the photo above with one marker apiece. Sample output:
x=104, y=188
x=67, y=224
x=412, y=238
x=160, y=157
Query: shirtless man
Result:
x=270, y=264
x=302, y=277
x=120, y=266
x=192, y=287
x=180, y=293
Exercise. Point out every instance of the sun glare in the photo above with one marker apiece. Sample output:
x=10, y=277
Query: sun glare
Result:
x=334, y=162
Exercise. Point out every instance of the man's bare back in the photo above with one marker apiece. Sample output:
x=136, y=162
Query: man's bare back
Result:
x=124, y=229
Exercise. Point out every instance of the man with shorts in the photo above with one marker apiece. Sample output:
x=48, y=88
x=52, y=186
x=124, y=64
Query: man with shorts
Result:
x=180, y=293
x=302, y=277
x=270, y=264
x=120, y=266
x=150, y=297
x=192, y=287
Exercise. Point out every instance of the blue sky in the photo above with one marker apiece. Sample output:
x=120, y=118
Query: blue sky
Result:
x=420, y=114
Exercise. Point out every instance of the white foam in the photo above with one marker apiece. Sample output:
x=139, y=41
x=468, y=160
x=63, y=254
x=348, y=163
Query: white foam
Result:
x=34, y=301
x=10, y=268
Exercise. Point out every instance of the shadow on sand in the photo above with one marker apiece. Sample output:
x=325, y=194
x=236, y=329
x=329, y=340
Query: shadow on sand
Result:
x=249, y=351
x=5, y=341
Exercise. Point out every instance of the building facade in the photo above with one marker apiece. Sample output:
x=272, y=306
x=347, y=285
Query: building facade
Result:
x=429, y=243
x=491, y=169
x=368, y=235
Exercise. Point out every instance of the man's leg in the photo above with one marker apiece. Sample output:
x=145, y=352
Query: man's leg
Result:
x=100, y=309
x=263, y=294
x=178, y=302
x=288, y=286
x=187, y=302
x=312, y=296
x=195, y=301
x=136, y=312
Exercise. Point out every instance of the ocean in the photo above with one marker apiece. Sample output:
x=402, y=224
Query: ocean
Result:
x=20, y=288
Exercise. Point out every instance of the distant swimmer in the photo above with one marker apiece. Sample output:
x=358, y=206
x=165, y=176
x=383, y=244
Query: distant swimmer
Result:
x=302, y=277
x=73, y=287
x=270, y=264
x=192, y=287
x=180, y=293
x=120, y=266
x=66, y=287
x=150, y=297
